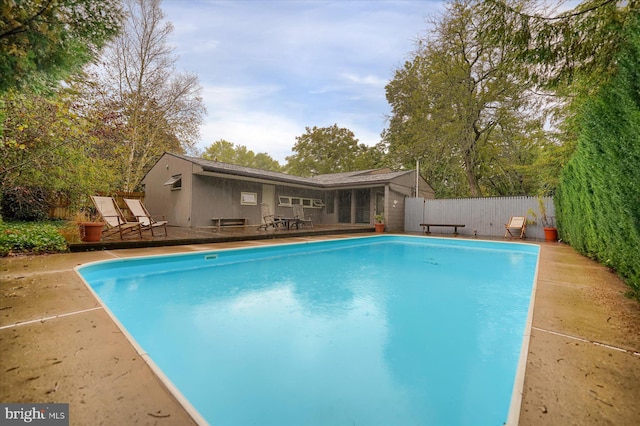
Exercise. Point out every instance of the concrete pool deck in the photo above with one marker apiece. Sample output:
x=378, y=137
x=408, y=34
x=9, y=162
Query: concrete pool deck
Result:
x=57, y=344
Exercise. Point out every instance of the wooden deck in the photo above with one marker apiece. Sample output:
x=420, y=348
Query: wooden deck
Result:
x=181, y=236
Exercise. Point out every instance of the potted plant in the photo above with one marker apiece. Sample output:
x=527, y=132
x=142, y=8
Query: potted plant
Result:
x=90, y=229
x=549, y=227
x=379, y=223
x=548, y=222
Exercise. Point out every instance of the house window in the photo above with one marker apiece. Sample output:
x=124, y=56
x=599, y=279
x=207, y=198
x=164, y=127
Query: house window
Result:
x=249, y=198
x=175, y=181
x=284, y=201
x=312, y=203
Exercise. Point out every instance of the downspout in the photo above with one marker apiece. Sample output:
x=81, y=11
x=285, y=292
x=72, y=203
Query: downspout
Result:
x=417, y=177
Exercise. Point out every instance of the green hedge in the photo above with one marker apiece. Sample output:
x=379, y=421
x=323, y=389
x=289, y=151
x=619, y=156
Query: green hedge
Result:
x=598, y=199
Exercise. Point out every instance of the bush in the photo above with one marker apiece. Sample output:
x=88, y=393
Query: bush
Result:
x=598, y=200
x=33, y=237
x=22, y=203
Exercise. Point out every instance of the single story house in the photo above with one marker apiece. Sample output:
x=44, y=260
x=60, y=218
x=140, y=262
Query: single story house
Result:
x=190, y=191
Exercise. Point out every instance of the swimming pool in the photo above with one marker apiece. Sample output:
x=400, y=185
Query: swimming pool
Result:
x=374, y=330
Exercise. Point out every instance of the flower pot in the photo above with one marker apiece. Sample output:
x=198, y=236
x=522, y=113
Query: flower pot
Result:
x=379, y=227
x=90, y=232
x=551, y=234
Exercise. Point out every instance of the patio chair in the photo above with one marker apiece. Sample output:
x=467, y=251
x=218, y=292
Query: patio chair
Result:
x=270, y=220
x=113, y=218
x=142, y=215
x=298, y=216
x=517, y=224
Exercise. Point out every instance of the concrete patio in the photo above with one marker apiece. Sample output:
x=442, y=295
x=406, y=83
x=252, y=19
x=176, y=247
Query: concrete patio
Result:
x=57, y=344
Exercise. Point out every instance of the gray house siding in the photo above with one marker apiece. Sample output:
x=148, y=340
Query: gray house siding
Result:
x=295, y=192
x=329, y=213
x=394, y=214
x=219, y=197
x=211, y=189
x=163, y=200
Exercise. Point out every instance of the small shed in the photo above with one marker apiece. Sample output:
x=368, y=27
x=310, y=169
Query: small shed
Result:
x=191, y=191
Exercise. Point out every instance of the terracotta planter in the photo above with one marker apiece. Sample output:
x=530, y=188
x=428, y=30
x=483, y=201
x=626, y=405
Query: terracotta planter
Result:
x=551, y=234
x=379, y=227
x=90, y=232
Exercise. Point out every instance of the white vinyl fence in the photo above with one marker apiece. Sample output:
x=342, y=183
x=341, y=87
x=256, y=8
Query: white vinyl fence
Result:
x=481, y=216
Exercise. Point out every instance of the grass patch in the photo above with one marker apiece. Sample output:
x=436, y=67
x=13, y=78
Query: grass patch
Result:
x=32, y=238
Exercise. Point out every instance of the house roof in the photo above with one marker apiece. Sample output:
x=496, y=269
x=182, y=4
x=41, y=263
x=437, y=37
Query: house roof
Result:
x=232, y=169
x=357, y=178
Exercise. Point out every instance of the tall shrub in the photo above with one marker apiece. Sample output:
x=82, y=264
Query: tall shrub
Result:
x=25, y=203
x=598, y=200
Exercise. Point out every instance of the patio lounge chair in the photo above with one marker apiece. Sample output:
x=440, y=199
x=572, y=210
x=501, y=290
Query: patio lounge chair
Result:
x=140, y=212
x=299, y=219
x=113, y=218
x=517, y=224
x=270, y=220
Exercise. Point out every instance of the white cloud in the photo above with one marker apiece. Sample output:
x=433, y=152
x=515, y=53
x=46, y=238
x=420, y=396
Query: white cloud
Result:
x=367, y=80
x=234, y=115
x=271, y=68
x=236, y=97
x=258, y=131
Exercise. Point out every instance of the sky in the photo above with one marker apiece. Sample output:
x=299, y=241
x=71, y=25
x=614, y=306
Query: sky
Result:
x=271, y=68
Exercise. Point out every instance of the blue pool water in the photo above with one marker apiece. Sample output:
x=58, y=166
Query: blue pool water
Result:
x=382, y=330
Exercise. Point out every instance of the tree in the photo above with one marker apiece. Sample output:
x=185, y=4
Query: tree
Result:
x=458, y=106
x=44, y=41
x=227, y=152
x=147, y=106
x=46, y=145
x=330, y=150
x=574, y=50
x=590, y=56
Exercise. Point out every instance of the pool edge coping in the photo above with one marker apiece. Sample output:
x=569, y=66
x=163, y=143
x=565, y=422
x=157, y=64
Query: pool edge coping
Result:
x=515, y=406
x=171, y=387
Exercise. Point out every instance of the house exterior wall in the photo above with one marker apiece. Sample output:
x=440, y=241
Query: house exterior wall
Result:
x=394, y=211
x=162, y=200
x=316, y=213
x=329, y=213
x=221, y=198
x=205, y=194
x=405, y=184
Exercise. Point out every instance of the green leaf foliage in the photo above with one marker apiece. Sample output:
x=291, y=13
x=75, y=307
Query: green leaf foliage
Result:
x=560, y=49
x=36, y=238
x=598, y=200
x=459, y=107
x=333, y=149
x=226, y=152
x=47, y=145
x=43, y=42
